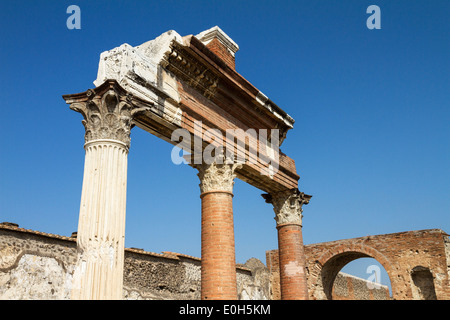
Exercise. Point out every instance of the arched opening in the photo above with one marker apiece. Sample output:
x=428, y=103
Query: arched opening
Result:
x=422, y=284
x=355, y=276
x=364, y=278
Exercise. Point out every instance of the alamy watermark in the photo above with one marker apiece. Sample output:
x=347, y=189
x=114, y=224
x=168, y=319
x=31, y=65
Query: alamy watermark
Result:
x=74, y=20
x=374, y=20
x=236, y=146
x=374, y=280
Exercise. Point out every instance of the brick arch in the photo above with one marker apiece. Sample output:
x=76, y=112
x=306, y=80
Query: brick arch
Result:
x=399, y=253
x=334, y=259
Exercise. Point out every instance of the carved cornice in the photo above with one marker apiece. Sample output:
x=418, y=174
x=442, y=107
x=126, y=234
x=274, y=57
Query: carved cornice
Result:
x=189, y=69
x=217, y=176
x=108, y=111
x=287, y=205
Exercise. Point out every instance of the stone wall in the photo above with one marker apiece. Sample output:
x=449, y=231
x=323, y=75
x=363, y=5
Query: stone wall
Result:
x=36, y=265
x=348, y=287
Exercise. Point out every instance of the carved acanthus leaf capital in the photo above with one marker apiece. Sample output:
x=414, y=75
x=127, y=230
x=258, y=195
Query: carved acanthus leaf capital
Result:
x=108, y=111
x=287, y=205
x=217, y=176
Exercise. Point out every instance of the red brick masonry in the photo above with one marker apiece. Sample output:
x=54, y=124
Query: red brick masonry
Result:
x=293, y=280
x=218, y=248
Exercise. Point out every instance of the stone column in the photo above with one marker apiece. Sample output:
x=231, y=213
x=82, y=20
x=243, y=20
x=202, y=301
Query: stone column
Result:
x=288, y=215
x=218, y=265
x=108, y=112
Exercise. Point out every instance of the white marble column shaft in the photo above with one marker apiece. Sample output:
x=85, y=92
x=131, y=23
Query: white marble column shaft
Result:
x=108, y=112
x=101, y=227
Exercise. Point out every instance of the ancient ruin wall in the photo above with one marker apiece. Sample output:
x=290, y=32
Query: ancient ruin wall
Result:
x=447, y=255
x=348, y=287
x=345, y=287
x=417, y=263
x=36, y=265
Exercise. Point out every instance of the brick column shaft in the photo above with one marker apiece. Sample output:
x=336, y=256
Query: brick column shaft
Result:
x=218, y=248
x=293, y=280
x=288, y=215
x=218, y=253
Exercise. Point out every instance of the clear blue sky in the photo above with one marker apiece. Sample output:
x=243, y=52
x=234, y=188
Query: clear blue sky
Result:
x=372, y=108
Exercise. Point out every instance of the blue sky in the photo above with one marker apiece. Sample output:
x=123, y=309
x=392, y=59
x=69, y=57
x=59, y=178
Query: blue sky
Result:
x=371, y=139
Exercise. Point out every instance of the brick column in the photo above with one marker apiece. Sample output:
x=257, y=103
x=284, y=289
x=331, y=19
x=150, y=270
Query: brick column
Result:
x=218, y=265
x=288, y=215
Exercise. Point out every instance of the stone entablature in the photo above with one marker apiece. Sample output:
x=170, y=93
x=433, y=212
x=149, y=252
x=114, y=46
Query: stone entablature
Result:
x=186, y=82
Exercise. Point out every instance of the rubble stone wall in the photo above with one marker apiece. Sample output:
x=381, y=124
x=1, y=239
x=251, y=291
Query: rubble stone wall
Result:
x=36, y=265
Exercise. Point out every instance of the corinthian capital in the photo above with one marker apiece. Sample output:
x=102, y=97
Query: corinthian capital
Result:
x=217, y=176
x=288, y=205
x=108, y=111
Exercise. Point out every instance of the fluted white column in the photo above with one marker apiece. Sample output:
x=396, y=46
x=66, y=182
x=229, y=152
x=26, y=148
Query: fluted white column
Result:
x=101, y=226
x=108, y=113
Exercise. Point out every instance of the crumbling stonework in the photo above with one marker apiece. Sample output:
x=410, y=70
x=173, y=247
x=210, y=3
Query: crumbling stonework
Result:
x=416, y=261
x=36, y=265
x=257, y=287
x=348, y=287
